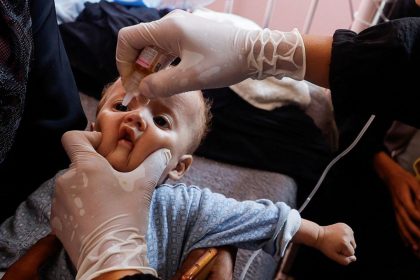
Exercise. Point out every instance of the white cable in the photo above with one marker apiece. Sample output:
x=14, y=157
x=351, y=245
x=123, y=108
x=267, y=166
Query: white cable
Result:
x=248, y=264
x=343, y=153
x=315, y=189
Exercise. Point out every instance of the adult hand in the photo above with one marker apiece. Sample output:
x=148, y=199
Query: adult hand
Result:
x=222, y=268
x=405, y=193
x=213, y=54
x=101, y=215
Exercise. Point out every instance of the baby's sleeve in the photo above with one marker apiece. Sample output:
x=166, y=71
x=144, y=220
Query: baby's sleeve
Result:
x=248, y=225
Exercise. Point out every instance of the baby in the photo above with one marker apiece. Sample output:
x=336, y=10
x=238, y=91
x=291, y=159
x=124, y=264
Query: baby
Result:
x=182, y=218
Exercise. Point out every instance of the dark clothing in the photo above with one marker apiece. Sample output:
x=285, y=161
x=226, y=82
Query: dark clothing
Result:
x=284, y=140
x=52, y=106
x=376, y=70
x=352, y=193
x=402, y=8
x=16, y=47
x=90, y=41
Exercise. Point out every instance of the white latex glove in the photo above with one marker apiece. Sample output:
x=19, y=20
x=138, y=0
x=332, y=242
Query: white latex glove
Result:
x=213, y=54
x=101, y=215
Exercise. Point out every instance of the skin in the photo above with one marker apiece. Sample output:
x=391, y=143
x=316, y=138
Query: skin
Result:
x=128, y=137
x=163, y=128
x=26, y=268
x=160, y=127
x=405, y=192
x=336, y=241
x=318, y=57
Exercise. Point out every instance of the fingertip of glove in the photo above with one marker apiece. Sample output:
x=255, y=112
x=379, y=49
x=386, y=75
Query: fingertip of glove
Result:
x=167, y=155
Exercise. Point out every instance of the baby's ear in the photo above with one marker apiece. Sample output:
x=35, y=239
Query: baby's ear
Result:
x=183, y=164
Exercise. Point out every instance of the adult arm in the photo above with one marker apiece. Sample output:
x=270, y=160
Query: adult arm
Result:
x=375, y=71
x=318, y=59
x=28, y=266
x=371, y=72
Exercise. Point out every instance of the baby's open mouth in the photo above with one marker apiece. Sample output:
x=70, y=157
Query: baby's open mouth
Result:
x=129, y=134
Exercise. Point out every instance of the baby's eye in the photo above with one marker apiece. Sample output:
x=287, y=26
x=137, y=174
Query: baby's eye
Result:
x=161, y=121
x=119, y=107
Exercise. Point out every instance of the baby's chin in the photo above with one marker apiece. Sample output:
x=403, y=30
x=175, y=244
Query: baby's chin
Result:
x=122, y=168
x=121, y=165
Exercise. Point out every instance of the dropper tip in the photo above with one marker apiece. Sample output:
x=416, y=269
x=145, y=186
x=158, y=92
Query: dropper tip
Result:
x=127, y=98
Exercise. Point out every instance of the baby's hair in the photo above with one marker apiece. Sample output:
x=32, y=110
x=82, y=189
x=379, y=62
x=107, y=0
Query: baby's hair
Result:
x=102, y=99
x=203, y=125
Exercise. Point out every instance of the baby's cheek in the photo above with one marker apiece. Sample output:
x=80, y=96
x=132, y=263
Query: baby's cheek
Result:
x=107, y=142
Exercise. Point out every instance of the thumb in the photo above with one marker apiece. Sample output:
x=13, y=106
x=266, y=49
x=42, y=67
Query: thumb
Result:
x=151, y=169
x=131, y=40
x=168, y=82
x=78, y=142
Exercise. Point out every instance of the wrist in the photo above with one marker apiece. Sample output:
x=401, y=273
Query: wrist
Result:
x=319, y=237
x=310, y=234
x=111, y=248
x=275, y=53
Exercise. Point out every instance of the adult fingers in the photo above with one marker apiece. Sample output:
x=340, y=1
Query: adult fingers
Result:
x=77, y=143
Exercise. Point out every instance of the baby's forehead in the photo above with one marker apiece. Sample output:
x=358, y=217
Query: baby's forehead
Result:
x=188, y=100
x=187, y=103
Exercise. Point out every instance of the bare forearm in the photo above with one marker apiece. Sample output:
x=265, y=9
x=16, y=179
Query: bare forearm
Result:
x=308, y=234
x=318, y=57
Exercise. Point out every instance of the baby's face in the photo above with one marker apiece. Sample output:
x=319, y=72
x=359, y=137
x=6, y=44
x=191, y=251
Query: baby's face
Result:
x=128, y=137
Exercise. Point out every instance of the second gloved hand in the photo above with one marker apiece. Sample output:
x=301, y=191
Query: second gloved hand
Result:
x=213, y=54
x=101, y=215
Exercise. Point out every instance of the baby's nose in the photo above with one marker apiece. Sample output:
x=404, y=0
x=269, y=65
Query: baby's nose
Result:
x=136, y=119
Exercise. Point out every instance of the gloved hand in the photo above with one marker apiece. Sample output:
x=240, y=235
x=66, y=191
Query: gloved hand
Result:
x=213, y=54
x=101, y=215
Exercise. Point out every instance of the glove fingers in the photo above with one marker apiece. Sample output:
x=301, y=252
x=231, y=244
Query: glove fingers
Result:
x=152, y=167
x=177, y=80
x=128, y=48
x=131, y=40
x=78, y=142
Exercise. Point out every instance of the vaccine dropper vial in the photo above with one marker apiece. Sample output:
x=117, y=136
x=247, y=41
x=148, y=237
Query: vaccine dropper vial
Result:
x=150, y=60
